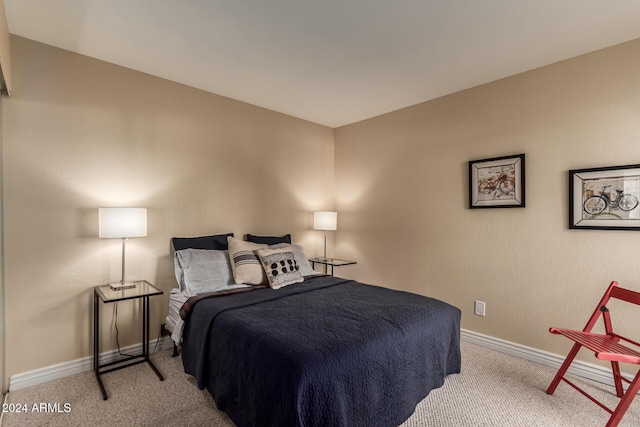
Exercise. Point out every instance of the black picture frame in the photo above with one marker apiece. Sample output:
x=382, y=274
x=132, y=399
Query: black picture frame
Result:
x=497, y=182
x=605, y=198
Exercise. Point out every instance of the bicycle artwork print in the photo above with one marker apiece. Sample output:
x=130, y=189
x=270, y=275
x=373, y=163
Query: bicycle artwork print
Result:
x=605, y=198
x=497, y=182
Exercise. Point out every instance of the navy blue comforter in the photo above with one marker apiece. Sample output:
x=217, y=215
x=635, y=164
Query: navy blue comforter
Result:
x=325, y=352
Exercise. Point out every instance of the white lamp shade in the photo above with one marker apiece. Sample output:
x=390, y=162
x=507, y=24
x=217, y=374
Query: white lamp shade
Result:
x=122, y=222
x=323, y=220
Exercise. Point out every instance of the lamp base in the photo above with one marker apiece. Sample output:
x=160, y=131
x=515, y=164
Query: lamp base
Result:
x=120, y=285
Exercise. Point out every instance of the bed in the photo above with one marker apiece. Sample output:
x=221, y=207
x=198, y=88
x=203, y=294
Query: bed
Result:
x=323, y=351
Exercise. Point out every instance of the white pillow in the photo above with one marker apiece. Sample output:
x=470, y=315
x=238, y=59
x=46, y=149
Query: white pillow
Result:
x=301, y=258
x=199, y=271
x=245, y=263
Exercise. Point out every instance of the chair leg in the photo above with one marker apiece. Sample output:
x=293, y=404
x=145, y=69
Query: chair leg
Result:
x=563, y=369
x=617, y=378
x=625, y=402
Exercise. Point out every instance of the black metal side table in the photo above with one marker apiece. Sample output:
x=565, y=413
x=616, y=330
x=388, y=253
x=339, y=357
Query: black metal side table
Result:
x=332, y=262
x=143, y=290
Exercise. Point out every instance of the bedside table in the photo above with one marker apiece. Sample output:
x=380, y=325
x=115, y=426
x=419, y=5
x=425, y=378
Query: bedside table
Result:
x=143, y=290
x=332, y=262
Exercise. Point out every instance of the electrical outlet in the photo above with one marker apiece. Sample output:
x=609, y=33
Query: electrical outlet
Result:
x=480, y=306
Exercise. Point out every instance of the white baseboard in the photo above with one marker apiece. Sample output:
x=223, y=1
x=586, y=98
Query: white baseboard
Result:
x=579, y=368
x=43, y=375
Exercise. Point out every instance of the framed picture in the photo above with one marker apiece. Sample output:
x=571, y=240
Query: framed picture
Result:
x=605, y=198
x=497, y=182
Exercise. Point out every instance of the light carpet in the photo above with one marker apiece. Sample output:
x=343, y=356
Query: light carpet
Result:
x=493, y=389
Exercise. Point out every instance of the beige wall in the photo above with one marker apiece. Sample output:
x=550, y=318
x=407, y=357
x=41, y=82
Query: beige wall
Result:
x=80, y=134
x=402, y=196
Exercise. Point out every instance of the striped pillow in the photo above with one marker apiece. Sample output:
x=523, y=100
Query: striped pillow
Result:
x=245, y=263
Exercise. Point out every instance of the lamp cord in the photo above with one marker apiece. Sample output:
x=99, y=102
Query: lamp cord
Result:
x=120, y=352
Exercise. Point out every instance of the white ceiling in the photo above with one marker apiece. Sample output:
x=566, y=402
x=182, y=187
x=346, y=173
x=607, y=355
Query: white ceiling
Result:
x=333, y=62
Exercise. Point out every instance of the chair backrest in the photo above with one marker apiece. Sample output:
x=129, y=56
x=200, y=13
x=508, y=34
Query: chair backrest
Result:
x=613, y=291
x=625, y=294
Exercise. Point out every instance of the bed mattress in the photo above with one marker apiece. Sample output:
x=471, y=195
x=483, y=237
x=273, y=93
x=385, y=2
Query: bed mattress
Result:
x=173, y=322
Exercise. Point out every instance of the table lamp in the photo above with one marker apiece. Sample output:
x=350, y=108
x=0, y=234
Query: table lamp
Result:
x=122, y=223
x=325, y=221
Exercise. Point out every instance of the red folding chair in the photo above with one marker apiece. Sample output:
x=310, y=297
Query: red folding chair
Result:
x=606, y=347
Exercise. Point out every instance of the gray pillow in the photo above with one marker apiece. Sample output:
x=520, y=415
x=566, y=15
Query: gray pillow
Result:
x=199, y=271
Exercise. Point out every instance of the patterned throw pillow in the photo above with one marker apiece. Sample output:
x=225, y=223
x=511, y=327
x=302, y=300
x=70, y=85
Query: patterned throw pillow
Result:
x=280, y=266
x=301, y=258
x=245, y=263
